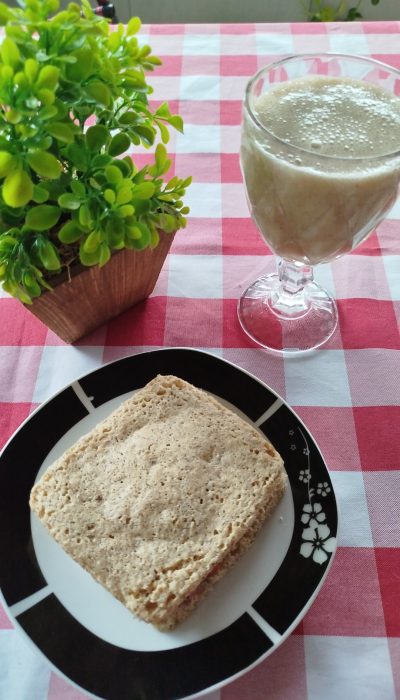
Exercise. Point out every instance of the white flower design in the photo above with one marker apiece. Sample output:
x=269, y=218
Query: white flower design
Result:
x=306, y=451
x=317, y=543
x=312, y=515
x=293, y=447
x=323, y=488
x=291, y=433
x=305, y=475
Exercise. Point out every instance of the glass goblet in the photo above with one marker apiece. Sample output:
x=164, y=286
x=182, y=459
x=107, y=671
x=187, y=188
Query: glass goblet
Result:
x=320, y=159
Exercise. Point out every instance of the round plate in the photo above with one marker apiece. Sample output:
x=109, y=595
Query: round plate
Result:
x=90, y=637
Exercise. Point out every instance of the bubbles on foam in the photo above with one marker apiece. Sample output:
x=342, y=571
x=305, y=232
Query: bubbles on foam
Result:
x=339, y=117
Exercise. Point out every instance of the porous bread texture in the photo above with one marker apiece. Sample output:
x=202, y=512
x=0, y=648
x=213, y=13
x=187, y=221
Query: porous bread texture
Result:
x=161, y=498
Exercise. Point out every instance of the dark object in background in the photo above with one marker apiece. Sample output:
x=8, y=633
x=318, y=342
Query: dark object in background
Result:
x=106, y=9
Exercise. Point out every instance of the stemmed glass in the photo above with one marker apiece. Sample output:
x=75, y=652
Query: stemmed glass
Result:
x=316, y=198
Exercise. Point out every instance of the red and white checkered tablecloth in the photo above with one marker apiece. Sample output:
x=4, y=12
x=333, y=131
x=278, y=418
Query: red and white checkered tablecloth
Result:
x=348, y=393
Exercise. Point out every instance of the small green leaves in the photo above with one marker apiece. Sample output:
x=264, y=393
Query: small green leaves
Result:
x=43, y=217
x=143, y=191
x=99, y=92
x=92, y=242
x=9, y=52
x=133, y=27
x=96, y=137
x=40, y=194
x=69, y=201
x=48, y=254
x=75, y=100
x=104, y=254
x=85, y=218
x=119, y=144
x=109, y=196
x=17, y=189
x=61, y=131
x=31, y=69
x=7, y=163
x=48, y=78
x=45, y=164
x=70, y=232
x=113, y=174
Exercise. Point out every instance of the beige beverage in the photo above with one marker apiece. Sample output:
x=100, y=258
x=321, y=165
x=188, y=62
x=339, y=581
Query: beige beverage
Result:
x=313, y=160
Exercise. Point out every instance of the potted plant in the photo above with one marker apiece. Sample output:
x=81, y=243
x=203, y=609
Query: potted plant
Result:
x=83, y=231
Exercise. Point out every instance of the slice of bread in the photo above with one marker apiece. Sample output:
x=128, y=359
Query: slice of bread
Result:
x=159, y=499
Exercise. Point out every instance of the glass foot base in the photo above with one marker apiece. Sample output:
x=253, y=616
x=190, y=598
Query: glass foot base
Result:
x=296, y=326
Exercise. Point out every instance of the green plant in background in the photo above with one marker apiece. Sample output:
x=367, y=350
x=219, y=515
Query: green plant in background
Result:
x=319, y=11
x=67, y=195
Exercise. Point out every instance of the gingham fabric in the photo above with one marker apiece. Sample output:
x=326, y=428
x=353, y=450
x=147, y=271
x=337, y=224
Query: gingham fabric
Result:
x=348, y=645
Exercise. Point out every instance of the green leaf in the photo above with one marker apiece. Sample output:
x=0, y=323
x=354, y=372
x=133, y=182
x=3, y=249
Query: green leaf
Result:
x=40, y=195
x=145, y=133
x=8, y=163
x=155, y=238
x=17, y=188
x=128, y=118
x=163, y=111
x=89, y=259
x=101, y=160
x=163, y=131
x=31, y=285
x=105, y=254
x=96, y=137
x=99, y=92
x=78, y=188
x=46, y=96
x=113, y=174
x=133, y=27
x=9, y=52
x=31, y=68
x=77, y=155
x=109, y=196
x=92, y=242
x=70, y=232
x=114, y=41
x=13, y=116
x=143, y=191
x=125, y=210
x=69, y=201
x=60, y=131
x=5, y=14
x=124, y=195
x=43, y=217
x=48, y=254
x=85, y=218
x=177, y=122
x=48, y=78
x=327, y=14
x=45, y=164
x=48, y=112
x=21, y=80
x=144, y=239
x=119, y=144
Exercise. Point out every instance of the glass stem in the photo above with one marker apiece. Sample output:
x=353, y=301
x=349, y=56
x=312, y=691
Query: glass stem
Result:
x=290, y=299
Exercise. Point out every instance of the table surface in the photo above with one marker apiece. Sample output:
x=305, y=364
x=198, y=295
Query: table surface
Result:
x=348, y=644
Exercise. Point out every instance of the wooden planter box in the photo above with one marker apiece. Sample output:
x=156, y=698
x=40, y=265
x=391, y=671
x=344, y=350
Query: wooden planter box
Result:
x=94, y=295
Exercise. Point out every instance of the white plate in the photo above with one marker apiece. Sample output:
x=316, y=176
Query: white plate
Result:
x=89, y=636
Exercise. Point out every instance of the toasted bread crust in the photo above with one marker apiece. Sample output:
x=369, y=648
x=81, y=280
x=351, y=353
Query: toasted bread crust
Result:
x=158, y=500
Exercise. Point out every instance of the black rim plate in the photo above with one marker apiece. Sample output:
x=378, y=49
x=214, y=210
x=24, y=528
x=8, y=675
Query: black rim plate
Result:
x=108, y=670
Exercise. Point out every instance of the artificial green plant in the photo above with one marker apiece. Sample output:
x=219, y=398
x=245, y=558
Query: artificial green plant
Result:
x=74, y=99
x=320, y=11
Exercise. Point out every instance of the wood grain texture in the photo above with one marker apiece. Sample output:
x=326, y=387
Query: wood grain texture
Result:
x=79, y=305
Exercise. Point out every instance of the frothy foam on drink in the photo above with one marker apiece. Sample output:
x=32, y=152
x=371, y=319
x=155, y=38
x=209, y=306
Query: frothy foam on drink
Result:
x=310, y=207
x=332, y=116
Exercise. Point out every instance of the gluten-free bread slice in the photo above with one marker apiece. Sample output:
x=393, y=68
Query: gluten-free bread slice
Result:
x=159, y=499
